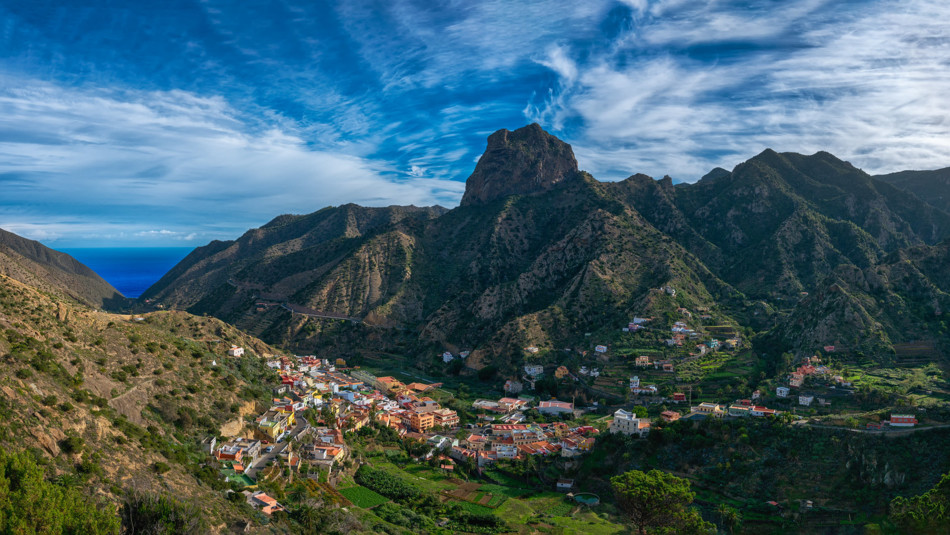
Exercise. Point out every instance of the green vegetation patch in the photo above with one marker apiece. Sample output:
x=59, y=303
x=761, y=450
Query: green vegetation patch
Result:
x=363, y=497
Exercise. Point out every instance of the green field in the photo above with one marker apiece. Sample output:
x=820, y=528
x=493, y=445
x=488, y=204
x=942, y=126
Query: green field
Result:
x=363, y=497
x=551, y=513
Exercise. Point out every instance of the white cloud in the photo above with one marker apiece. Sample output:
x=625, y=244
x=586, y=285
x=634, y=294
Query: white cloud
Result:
x=866, y=85
x=150, y=158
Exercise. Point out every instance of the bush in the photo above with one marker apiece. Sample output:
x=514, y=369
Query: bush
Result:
x=72, y=444
x=31, y=504
x=386, y=484
x=154, y=514
x=160, y=467
x=88, y=466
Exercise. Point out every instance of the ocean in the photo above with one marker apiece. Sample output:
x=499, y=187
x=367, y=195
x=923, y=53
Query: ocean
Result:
x=131, y=270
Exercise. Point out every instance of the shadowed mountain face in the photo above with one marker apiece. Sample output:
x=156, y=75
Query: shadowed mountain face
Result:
x=539, y=253
x=932, y=187
x=34, y=264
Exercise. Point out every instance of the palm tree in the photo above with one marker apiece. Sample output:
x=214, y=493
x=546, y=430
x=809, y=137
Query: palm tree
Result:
x=729, y=517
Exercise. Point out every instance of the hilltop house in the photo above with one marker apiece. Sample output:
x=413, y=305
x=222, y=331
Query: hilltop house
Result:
x=242, y=450
x=903, y=420
x=642, y=360
x=711, y=409
x=534, y=370
x=762, y=411
x=628, y=424
x=739, y=411
x=236, y=351
x=265, y=503
x=669, y=416
x=782, y=391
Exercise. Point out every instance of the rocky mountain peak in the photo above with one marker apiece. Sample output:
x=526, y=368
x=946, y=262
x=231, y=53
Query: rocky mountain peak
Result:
x=528, y=160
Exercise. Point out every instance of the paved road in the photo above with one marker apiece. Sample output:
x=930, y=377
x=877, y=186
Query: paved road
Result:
x=278, y=448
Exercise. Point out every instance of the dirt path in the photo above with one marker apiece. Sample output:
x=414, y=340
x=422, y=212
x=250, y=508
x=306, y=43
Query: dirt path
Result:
x=127, y=403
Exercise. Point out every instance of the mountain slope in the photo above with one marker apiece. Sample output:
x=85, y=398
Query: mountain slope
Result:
x=778, y=221
x=932, y=187
x=112, y=405
x=34, y=264
x=540, y=253
x=284, y=255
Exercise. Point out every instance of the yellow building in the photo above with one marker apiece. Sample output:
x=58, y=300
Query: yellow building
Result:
x=421, y=421
x=274, y=423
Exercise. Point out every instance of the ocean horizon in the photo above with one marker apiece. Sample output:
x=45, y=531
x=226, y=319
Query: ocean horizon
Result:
x=131, y=270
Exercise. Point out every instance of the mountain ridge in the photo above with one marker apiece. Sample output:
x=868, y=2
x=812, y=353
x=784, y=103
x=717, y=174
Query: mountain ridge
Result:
x=33, y=263
x=537, y=253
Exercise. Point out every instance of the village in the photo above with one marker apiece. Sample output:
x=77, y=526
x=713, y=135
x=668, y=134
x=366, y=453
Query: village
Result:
x=318, y=402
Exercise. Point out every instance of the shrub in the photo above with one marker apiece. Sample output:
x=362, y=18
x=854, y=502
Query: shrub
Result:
x=159, y=513
x=160, y=467
x=31, y=504
x=72, y=444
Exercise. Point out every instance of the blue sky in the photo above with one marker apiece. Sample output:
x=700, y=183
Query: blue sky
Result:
x=181, y=121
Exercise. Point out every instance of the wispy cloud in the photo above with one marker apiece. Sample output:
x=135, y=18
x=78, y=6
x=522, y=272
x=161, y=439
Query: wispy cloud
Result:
x=689, y=86
x=211, y=118
x=147, y=160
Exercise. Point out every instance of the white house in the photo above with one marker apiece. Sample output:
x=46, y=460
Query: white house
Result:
x=628, y=424
x=634, y=382
x=782, y=391
x=236, y=351
x=534, y=370
x=447, y=356
x=506, y=451
x=600, y=348
x=649, y=390
x=513, y=387
x=555, y=407
x=440, y=442
x=805, y=400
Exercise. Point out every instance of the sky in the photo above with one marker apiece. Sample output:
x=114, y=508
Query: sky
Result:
x=173, y=123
